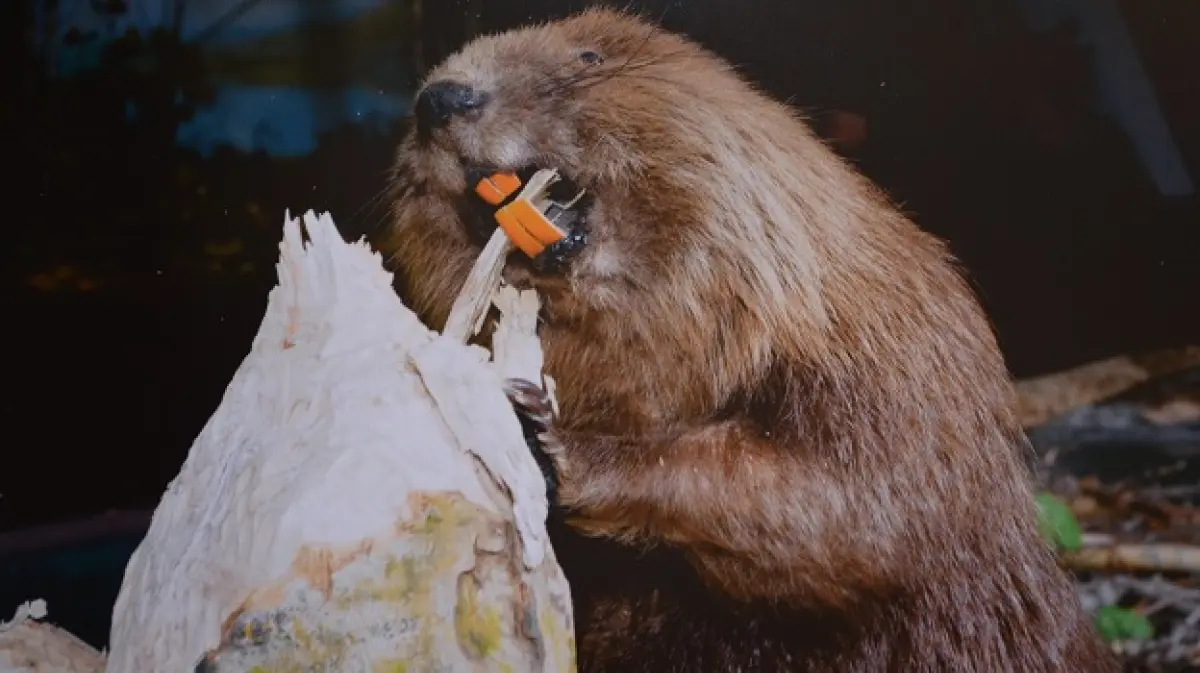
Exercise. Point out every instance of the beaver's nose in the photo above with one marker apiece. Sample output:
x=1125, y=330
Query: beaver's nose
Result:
x=441, y=101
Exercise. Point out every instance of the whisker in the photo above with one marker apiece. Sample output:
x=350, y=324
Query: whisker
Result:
x=580, y=76
x=650, y=33
x=375, y=200
x=369, y=214
x=375, y=212
x=566, y=83
x=627, y=69
x=583, y=79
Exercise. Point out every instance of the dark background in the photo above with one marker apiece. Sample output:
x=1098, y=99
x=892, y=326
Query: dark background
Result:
x=137, y=262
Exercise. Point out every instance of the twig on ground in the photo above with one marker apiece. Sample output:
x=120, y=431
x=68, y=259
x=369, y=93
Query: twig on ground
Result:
x=1136, y=558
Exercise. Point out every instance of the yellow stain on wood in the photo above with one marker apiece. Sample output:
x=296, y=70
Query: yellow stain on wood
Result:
x=403, y=585
x=477, y=626
x=303, y=637
x=390, y=666
x=560, y=646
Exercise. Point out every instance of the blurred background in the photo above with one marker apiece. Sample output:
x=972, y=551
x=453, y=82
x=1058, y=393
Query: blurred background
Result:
x=155, y=145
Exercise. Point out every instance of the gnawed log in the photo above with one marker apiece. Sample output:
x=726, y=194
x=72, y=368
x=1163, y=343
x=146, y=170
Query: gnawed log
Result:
x=361, y=500
x=1043, y=398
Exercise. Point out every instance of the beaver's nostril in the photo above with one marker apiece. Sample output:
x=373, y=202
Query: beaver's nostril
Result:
x=441, y=101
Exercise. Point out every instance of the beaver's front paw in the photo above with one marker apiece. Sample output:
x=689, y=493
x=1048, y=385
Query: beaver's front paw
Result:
x=536, y=414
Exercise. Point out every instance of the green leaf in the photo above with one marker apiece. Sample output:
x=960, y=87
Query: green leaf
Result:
x=1117, y=623
x=1058, y=523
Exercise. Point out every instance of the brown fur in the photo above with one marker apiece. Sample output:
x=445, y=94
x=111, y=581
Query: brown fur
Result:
x=788, y=431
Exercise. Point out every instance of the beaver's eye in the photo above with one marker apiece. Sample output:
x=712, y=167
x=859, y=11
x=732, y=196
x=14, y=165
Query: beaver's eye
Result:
x=591, y=57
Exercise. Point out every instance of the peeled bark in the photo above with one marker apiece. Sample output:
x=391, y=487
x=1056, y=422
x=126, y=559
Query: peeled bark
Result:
x=361, y=500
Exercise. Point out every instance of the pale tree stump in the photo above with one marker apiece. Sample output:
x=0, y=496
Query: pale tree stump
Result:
x=362, y=499
x=28, y=646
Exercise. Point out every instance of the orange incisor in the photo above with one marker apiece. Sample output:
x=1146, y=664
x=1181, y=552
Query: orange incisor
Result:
x=524, y=219
x=497, y=187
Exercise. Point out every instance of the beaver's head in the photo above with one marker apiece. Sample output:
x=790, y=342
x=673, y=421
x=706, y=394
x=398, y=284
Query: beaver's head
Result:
x=604, y=97
x=686, y=167
x=553, y=95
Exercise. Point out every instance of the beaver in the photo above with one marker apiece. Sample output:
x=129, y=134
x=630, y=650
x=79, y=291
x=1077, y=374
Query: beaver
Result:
x=786, y=437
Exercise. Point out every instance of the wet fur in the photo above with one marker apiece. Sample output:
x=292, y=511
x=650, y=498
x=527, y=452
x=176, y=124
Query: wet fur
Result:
x=788, y=439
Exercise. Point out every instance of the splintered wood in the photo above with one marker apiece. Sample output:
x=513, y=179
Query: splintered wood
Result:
x=471, y=306
x=362, y=499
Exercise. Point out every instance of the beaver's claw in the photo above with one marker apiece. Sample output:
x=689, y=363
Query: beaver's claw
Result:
x=536, y=414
